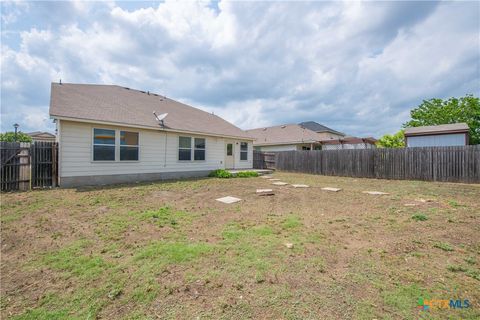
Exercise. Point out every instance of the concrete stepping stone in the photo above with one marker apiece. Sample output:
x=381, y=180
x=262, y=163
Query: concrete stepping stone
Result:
x=228, y=199
x=272, y=179
x=375, y=192
x=265, y=192
x=410, y=204
x=424, y=200
x=300, y=186
x=331, y=189
x=278, y=183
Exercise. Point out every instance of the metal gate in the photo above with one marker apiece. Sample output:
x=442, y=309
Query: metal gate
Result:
x=25, y=166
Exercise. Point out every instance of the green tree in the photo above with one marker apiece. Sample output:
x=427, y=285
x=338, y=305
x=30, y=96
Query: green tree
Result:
x=396, y=140
x=437, y=111
x=10, y=137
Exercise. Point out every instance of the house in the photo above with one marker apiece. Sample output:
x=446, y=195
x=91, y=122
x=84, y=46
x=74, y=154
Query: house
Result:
x=112, y=134
x=455, y=134
x=324, y=132
x=349, y=143
x=308, y=135
x=38, y=136
x=285, y=138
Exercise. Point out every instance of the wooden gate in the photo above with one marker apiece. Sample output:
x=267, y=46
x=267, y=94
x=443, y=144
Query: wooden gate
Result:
x=25, y=166
x=44, y=164
x=15, y=172
x=263, y=160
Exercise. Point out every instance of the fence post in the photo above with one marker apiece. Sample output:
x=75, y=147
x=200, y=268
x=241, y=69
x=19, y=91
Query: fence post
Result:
x=25, y=167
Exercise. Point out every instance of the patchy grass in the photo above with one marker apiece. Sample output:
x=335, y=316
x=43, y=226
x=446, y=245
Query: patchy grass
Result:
x=456, y=268
x=163, y=253
x=169, y=250
x=419, y=217
x=74, y=261
x=443, y=246
x=291, y=222
x=164, y=216
x=402, y=299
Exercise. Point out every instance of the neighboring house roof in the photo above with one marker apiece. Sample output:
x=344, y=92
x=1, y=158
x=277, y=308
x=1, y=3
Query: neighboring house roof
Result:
x=440, y=129
x=119, y=105
x=350, y=140
x=283, y=134
x=317, y=127
x=43, y=134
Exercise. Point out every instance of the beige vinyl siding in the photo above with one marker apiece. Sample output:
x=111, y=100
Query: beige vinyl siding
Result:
x=285, y=147
x=346, y=146
x=243, y=164
x=328, y=136
x=76, y=153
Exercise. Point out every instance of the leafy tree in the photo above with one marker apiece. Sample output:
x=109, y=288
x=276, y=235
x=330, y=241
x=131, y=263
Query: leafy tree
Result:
x=396, y=140
x=10, y=137
x=437, y=111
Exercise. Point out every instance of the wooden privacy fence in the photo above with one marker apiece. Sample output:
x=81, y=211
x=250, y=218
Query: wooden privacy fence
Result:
x=263, y=160
x=25, y=166
x=455, y=164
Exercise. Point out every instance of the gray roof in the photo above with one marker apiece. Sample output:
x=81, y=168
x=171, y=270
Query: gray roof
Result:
x=443, y=128
x=120, y=105
x=283, y=134
x=317, y=127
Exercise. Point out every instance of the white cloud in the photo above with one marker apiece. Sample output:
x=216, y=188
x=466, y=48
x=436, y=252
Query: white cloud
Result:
x=357, y=67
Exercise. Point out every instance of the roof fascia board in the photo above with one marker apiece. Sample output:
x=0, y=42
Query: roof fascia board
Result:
x=430, y=133
x=148, y=127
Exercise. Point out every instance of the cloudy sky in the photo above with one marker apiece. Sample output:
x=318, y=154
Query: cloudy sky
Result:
x=357, y=67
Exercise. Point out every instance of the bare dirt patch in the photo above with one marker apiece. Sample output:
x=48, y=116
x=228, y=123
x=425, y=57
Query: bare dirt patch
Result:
x=169, y=250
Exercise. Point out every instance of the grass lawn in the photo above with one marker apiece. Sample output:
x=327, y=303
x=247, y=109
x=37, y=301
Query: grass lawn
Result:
x=168, y=250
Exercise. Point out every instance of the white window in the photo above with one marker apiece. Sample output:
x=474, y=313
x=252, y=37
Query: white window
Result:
x=199, y=149
x=185, y=148
x=106, y=147
x=243, y=150
x=128, y=146
x=103, y=145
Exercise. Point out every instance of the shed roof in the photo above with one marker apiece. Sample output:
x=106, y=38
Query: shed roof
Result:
x=439, y=129
x=121, y=105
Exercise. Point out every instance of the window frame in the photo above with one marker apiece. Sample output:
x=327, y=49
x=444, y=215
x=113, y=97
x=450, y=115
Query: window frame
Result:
x=114, y=145
x=120, y=145
x=243, y=151
x=183, y=148
x=231, y=153
x=204, y=149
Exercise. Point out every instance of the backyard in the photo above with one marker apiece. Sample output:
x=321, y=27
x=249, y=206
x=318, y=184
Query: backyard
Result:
x=169, y=250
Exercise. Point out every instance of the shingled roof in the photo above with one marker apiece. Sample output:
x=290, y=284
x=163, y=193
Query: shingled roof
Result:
x=283, y=134
x=317, y=127
x=124, y=106
x=439, y=129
